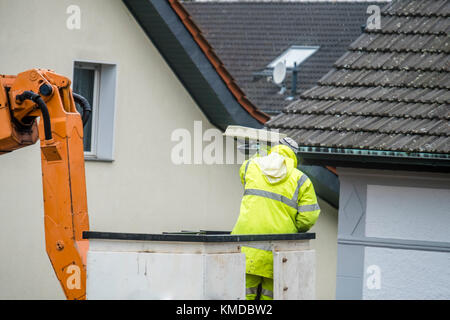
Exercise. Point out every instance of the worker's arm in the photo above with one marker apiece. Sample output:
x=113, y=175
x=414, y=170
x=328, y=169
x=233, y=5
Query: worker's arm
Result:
x=242, y=170
x=308, y=207
x=244, y=167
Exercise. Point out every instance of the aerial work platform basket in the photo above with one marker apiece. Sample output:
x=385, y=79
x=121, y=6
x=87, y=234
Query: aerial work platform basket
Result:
x=201, y=265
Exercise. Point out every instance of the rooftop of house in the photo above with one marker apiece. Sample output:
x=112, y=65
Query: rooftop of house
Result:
x=191, y=58
x=248, y=36
x=387, y=97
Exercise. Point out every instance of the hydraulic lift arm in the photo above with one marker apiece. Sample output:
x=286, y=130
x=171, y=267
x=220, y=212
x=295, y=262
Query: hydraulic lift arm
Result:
x=45, y=94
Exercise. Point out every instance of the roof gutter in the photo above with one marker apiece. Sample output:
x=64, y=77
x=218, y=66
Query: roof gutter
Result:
x=376, y=158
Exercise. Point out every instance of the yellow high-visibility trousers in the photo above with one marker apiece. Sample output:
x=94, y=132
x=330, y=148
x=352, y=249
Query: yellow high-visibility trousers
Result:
x=257, y=286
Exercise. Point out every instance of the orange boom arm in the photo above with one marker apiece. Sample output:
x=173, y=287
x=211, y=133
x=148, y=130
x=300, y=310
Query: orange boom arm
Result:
x=45, y=94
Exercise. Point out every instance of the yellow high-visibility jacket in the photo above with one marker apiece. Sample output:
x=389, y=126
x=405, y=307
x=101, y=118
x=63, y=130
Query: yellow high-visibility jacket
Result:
x=278, y=198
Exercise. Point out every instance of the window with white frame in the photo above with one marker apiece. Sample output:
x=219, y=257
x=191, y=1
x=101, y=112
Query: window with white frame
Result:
x=294, y=55
x=97, y=83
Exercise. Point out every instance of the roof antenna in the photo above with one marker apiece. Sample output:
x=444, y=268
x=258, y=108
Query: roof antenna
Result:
x=363, y=28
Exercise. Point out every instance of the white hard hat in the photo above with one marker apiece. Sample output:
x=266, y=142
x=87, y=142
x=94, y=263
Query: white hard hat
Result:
x=290, y=143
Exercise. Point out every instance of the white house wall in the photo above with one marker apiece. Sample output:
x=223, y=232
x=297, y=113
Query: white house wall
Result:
x=411, y=213
x=141, y=191
x=407, y=274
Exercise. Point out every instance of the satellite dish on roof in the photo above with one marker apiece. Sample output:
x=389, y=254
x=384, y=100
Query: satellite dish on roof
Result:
x=279, y=72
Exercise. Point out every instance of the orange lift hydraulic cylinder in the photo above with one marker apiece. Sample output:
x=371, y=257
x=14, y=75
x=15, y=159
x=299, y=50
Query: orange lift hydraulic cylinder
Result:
x=62, y=160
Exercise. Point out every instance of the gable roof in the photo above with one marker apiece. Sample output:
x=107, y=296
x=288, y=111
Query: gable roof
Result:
x=191, y=58
x=387, y=99
x=247, y=36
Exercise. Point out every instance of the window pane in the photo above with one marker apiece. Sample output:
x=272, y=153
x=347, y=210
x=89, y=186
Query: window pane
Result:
x=83, y=84
x=295, y=54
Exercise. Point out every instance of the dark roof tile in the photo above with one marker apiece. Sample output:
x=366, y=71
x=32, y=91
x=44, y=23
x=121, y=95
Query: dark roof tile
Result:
x=389, y=78
x=418, y=8
x=395, y=61
x=390, y=91
x=414, y=25
x=400, y=42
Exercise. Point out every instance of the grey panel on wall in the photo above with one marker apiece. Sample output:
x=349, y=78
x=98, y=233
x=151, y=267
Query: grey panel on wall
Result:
x=352, y=207
x=350, y=272
x=395, y=222
x=348, y=288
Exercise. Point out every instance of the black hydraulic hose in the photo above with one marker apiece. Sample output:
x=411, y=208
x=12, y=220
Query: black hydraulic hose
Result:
x=87, y=110
x=30, y=95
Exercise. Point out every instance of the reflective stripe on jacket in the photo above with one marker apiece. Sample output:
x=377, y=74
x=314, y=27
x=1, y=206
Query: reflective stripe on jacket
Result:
x=282, y=203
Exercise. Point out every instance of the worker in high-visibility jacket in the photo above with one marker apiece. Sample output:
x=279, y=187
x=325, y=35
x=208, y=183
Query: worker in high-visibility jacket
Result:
x=278, y=198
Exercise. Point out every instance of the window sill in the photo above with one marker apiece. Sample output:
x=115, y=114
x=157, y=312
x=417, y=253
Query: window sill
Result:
x=91, y=157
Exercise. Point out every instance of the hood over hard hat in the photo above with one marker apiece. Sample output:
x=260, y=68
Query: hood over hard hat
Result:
x=285, y=151
x=278, y=164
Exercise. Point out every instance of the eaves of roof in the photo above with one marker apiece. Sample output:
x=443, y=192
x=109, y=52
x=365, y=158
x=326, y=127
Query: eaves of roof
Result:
x=217, y=63
x=181, y=44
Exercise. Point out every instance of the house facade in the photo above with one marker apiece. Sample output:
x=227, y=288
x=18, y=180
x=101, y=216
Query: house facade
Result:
x=381, y=116
x=393, y=240
x=140, y=102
